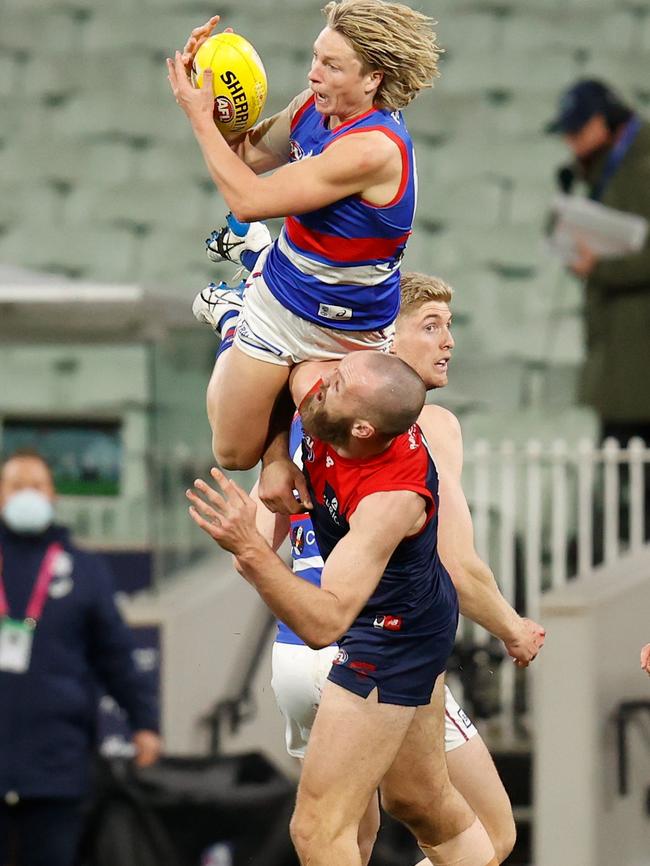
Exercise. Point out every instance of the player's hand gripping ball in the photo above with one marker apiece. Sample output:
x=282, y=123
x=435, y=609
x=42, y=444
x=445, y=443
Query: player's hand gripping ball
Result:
x=239, y=80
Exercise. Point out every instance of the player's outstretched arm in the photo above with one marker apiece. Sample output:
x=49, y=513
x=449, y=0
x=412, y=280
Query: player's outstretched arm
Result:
x=478, y=592
x=273, y=528
x=266, y=145
x=354, y=164
x=318, y=615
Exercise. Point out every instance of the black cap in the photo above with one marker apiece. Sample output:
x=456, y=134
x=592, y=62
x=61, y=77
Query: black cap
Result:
x=580, y=103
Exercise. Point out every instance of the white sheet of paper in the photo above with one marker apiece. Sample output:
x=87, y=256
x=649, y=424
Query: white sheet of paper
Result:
x=15, y=646
x=607, y=232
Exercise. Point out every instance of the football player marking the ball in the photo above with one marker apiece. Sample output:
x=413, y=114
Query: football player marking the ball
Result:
x=382, y=709
x=423, y=339
x=344, y=180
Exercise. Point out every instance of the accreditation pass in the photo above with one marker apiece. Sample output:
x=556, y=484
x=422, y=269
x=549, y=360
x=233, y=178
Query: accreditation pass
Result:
x=16, y=637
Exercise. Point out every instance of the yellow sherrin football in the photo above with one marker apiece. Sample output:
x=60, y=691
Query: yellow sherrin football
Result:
x=239, y=80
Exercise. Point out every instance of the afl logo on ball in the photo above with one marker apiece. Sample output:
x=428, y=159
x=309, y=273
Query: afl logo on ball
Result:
x=224, y=110
x=340, y=658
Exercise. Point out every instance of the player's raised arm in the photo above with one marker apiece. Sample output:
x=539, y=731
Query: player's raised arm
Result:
x=273, y=528
x=478, y=593
x=352, y=165
x=318, y=616
x=267, y=145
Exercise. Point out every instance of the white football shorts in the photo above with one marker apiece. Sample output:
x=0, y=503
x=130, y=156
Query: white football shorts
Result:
x=298, y=677
x=269, y=332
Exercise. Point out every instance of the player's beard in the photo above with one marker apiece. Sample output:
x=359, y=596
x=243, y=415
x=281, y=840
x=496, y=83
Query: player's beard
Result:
x=318, y=423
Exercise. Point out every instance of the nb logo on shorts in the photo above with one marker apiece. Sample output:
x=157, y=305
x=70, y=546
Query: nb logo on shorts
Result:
x=388, y=622
x=329, y=311
x=464, y=718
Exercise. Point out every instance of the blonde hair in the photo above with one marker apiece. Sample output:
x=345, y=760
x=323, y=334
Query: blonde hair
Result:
x=416, y=289
x=390, y=38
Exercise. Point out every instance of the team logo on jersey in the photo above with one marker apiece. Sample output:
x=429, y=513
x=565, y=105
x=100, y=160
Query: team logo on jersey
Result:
x=296, y=153
x=413, y=442
x=298, y=540
x=61, y=583
x=340, y=658
x=328, y=461
x=307, y=448
x=388, y=622
x=60, y=586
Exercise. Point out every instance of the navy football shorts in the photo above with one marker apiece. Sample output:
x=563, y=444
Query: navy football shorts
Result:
x=399, y=655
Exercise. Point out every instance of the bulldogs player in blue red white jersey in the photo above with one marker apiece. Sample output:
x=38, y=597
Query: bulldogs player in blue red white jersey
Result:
x=386, y=596
x=345, y=181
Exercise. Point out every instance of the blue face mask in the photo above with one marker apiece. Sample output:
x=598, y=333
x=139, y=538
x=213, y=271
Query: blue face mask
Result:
x=28, y=512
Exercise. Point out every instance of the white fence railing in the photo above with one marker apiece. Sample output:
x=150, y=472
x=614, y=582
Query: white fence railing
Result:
x=542, y=514
x=546, y=513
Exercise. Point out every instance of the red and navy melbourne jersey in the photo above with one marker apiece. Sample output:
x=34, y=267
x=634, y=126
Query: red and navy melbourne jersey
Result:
x=338, y=266
x=306, y=559
x=414, y=577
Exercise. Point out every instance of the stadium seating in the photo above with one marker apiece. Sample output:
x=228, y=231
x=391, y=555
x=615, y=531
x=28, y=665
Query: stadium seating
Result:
x=93, y=146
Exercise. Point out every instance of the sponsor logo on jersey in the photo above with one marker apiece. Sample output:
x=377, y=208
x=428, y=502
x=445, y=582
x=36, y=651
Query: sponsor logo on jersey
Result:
x=332, y=504
x=388, y=622
x=340, y=658
x=331, y=311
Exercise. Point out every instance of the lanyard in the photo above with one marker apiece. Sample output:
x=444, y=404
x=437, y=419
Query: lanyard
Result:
x=38, y=597
x=616, y=155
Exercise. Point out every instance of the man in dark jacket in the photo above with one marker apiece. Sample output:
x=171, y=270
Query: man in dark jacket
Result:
x=611, y=145
x=61, y=636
